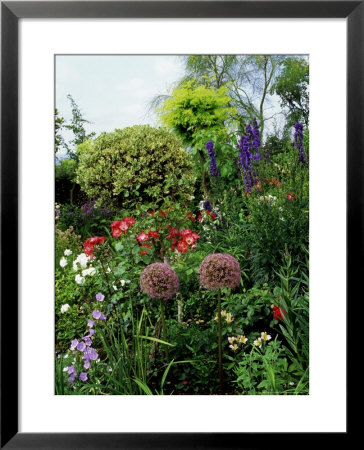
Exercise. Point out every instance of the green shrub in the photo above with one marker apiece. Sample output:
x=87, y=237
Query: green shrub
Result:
x=135, y=165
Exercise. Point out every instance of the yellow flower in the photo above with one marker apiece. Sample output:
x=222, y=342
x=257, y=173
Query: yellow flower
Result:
x=242, y=339
x=229, y=318
x=258, y=342
x=265, y=336
x=223, y=313
x=231, y=340
x=233, y=347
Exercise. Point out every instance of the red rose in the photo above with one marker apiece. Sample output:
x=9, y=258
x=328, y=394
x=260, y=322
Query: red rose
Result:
x=162, y=213
x=186, y=232
x=142, y=236
x=143, y=253
x=182, y=246
x=153, y=234
x=199, y=217
x=146, y=245
x=184, y=382
x=129, y=221
x=213, y=216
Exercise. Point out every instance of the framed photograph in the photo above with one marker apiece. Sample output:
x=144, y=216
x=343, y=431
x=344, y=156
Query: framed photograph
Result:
x=180, y=218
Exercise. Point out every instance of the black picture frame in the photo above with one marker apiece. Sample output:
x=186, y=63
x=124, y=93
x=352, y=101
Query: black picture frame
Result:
x=11, y=12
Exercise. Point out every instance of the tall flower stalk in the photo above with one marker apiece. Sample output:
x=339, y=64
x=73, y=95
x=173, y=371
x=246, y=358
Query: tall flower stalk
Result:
x=219, y=271
x=159, y=280
x=298, y=142
x=214, y=171
x=248, y=153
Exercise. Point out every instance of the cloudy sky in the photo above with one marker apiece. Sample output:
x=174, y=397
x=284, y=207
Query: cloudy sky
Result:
x=114, y=91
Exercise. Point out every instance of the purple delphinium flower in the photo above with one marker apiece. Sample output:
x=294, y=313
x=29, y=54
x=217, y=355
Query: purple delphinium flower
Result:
x=83, y=376
x=96, y=314
x=207, y=205
x=298, y=142
x=249, y=142
x=100, y=297
x=159, y=280
x=214, y=171
x=219, y=270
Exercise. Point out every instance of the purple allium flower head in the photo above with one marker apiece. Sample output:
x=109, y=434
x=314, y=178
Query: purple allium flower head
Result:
x=96, y=314
x=83, y=376
x=298, y=142
x=159, y=280
x=219, y=270
x=214, y=171
x=90, y=323
x=100, y=297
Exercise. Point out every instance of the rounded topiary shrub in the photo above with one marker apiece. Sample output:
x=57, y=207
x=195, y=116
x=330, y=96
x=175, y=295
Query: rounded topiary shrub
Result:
x=135, y=165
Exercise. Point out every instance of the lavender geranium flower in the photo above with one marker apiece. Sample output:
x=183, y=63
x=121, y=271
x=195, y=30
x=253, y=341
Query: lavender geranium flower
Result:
x=87, y=364
x=100, y=297
x=71, y=370
x=81, y=346
x=90, y=323
x=83, y=376
x=96, y=314
x=74, y=344
x=159, y=280
x=214, y=171
x=219, y=270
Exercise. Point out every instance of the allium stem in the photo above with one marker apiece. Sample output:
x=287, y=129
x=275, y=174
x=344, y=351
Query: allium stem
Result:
x=164, y=330
x=219, y=336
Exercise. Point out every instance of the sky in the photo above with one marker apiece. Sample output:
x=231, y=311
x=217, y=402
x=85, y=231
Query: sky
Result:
x=114, y=91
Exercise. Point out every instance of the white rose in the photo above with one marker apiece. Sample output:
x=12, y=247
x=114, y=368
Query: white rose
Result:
x=80, y=280
x=90, y=271
x=65, y=308
x=67, y=252
x=63, y=262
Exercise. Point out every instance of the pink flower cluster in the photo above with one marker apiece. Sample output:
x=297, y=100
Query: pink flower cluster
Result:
x=219, y=270
x=159, y=280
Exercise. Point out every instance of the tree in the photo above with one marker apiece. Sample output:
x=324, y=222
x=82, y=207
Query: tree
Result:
x=198, y=113
x=134, y=166
x=78, y=129
x=248, y=79
x=58, y=126
x=292, y=87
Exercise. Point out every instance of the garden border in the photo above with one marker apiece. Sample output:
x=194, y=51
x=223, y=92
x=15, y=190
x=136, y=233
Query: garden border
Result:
x=11, y=12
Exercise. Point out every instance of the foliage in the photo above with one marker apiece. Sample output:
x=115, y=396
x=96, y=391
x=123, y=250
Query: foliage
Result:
x=135, y=165
x=195, y=112
x=292, y=87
